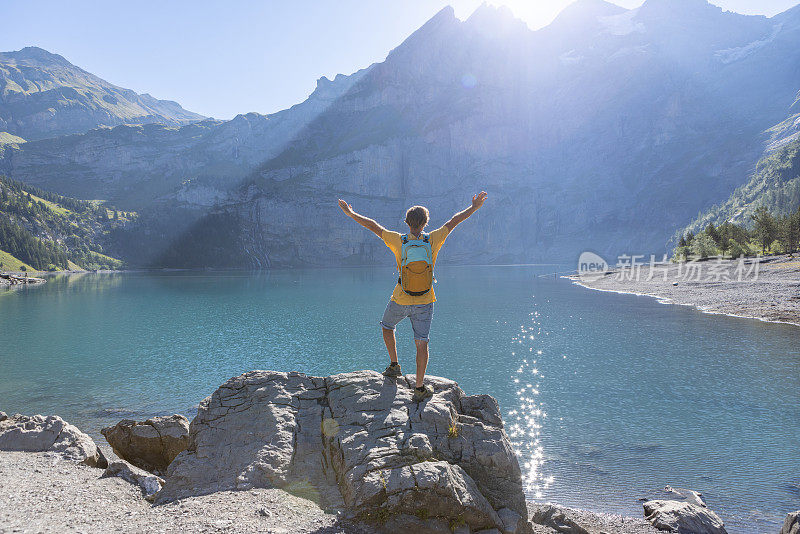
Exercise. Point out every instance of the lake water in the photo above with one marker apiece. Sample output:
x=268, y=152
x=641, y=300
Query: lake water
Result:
x=608, y=397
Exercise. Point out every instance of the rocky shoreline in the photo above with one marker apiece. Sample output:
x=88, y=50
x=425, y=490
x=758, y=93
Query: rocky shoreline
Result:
x=765, y=288
x=16, y=279
x=286, y=452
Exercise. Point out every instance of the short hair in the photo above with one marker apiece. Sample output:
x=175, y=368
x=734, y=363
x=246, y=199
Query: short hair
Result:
x=417, y=216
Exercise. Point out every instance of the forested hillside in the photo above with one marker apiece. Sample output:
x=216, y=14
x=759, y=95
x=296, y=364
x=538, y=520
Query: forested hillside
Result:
x=51, y=232
x=775, y=186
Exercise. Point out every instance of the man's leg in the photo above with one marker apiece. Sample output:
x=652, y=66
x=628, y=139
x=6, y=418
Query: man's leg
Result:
x=422, y=360
x=391, y=343
x=393, y=314
x=421, y=318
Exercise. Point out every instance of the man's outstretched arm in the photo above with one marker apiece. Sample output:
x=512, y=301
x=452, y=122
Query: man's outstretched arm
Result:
x=461, y=216
x=366, y=222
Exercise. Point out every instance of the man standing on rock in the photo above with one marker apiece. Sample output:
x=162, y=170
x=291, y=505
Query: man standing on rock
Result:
x=413, y=296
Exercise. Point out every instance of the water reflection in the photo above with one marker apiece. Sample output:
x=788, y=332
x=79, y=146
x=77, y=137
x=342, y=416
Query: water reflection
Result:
x=525, y=429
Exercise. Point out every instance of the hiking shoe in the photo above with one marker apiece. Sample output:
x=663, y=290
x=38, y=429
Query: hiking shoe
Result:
x=393, y=371
x=421, y=395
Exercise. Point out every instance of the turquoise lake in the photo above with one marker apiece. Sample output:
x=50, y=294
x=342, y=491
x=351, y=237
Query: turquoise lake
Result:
x=608, y=397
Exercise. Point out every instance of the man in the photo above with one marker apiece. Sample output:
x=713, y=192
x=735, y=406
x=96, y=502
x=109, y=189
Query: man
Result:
x=413, y=295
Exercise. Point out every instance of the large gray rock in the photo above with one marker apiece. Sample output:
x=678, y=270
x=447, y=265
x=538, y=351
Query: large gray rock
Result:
x=38, y=433
x=148, y=483
x=683, y=517
x=792, y=523
x=559, y=519
x=356, y=440
x=152, y=444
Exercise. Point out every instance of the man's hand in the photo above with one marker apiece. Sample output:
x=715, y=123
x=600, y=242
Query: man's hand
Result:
x=346, y=208
x=477, y=200
x=461, y=216
x=366, y=222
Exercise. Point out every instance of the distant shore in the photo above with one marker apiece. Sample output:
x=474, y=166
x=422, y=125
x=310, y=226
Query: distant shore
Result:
x=765, y=288
x=18, y=278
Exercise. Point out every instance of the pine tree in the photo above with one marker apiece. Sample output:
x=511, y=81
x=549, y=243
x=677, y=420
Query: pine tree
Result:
x=765, y=229
x=712, y=232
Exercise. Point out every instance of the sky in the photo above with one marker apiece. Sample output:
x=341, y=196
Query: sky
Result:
x=223, y=58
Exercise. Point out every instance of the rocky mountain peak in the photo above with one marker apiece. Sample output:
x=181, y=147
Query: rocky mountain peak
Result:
x=495, y=20
x=34, y=54
x=581, y=17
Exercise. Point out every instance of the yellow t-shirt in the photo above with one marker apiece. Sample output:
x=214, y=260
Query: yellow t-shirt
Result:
x=394, y=241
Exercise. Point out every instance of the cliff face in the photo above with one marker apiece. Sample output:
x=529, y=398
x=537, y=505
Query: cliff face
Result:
x=44, y=95
x=138, y=166
x=604, y=131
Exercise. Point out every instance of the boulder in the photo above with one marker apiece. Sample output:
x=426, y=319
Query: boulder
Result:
x=150, y=445
x=148, y=483
x=3, y=416
x=687, y=495
x=557, y=519
x=38, y=433
x=792, y=523
x=357, y=441
x=683, y=517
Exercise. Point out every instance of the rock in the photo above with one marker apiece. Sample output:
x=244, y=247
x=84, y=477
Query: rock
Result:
x=149, y=484
x=357, y=441
x=683, y=517
x=39, y=434
x=688, y=495
x=557, y=519
x=792, y=523
x=152, y=444
x=511, y=520
x=3, y=416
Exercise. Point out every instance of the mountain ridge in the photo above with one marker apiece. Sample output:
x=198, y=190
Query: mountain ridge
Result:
x=605, y=141
x=43, y=95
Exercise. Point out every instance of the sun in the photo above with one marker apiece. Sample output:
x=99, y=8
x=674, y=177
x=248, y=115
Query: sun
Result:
x=535, y=13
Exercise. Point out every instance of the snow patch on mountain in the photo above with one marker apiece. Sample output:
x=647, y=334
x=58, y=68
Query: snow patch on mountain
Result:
x=729, y=55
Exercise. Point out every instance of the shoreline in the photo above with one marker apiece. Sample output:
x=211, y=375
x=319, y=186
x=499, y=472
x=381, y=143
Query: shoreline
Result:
x=45, y=493
x=770, y=294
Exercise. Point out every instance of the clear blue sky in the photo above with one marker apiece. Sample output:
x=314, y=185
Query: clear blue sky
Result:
x=222, y=58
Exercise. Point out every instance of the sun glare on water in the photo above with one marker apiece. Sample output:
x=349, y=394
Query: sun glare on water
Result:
x=527, y=418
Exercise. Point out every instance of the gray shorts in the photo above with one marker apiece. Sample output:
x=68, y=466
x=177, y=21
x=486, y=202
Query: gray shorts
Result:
x=420, y=314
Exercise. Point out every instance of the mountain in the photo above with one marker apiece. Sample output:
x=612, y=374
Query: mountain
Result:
x=45, y=231
x=775, y=183
x=43, y=95
x=606, y=131
x=136, y=166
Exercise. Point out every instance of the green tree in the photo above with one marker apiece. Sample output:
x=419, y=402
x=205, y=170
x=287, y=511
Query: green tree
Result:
x=682, y=241
x=703, y=246
x=725, y=244
x=765, y=230
x=789, y=232
x=712, y=232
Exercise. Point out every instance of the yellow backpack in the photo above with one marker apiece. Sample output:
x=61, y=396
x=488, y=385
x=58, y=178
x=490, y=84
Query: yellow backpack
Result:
x=416, y=265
